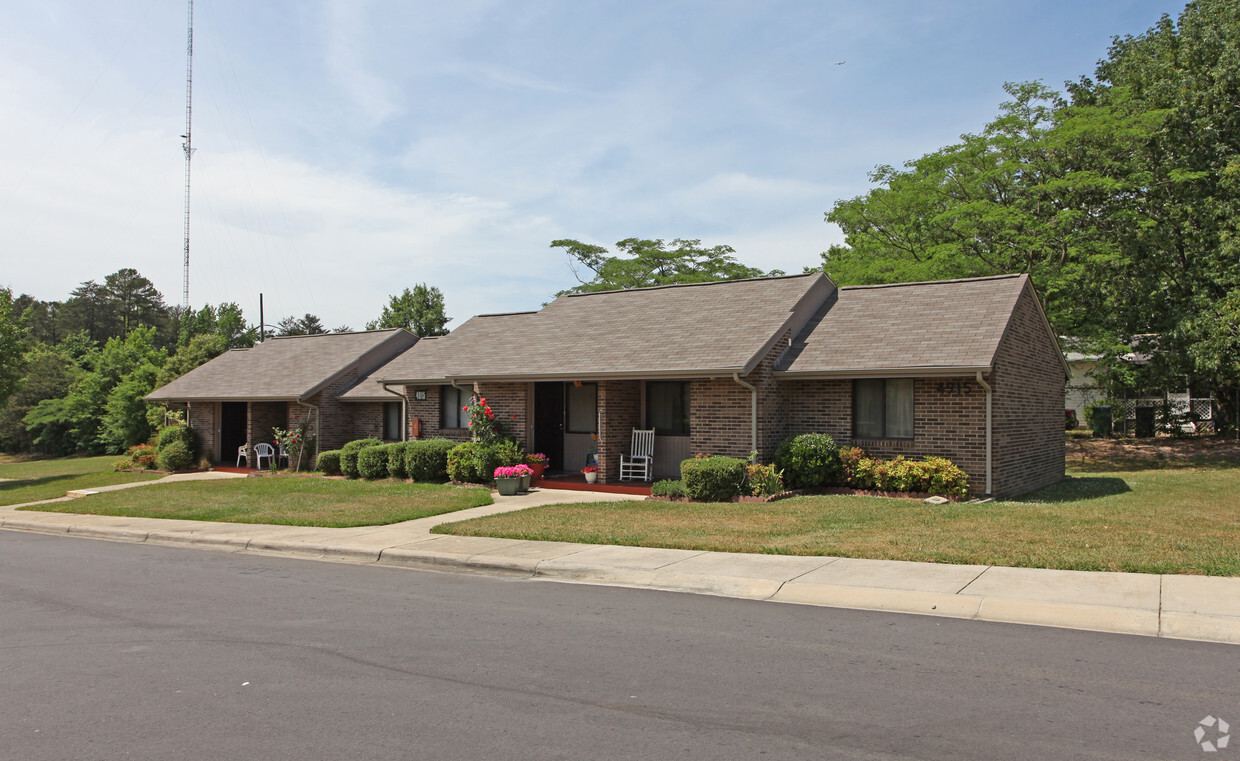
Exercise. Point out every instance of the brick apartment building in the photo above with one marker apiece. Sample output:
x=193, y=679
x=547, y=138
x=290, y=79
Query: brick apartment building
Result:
x=963, y=369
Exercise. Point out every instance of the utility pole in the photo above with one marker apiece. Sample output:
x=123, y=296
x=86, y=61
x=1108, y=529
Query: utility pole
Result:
x=188, y=145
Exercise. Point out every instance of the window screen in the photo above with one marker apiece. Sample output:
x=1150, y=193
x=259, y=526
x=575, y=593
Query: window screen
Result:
x=391, y=420
x=582, y=407
x=452, y=400
x=883, y=408
x=667, y=407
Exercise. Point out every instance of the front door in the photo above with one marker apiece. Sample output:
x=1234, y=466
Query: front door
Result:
x=549, y=422
x=232, y=430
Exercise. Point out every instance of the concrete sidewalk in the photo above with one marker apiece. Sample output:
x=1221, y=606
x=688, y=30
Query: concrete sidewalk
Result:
x=1184, y=607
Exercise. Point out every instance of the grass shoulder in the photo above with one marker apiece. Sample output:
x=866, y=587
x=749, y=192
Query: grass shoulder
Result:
x=1162, y=520
x=31, y=480
x=321, y=502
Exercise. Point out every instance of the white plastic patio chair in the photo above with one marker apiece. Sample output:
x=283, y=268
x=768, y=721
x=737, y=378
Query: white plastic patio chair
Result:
x=261, y=451
x=640, y=460
x=243, y=453
x=282, y=455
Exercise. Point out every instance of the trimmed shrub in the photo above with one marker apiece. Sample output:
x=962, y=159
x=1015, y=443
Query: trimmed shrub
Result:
x=668, y=487
x=934, y=475
x=372, y=462
x=328, y=463
x=396, y=459
x=177, y=434
x=944, y=477
x=476, y=463
x=809, y=460
x=175, y=455
x=348, y=455
x=712, y=479
x=763, y=480
x=427, y=460
x=463, y=464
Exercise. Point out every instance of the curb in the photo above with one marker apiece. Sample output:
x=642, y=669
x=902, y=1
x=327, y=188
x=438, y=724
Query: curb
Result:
x=588, y=564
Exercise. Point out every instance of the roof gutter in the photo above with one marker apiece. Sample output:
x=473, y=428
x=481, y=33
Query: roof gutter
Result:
x=884, y=372
x=753, y=411
x=404, y=412
x=989, y=429
x=317, y=439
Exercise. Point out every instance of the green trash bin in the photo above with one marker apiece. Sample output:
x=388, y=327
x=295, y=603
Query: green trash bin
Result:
x=1102, y=421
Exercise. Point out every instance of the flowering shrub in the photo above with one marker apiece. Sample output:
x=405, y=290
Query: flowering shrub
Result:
x=537, y=458
x=763, y=480
x=483, y=427
x=513, y=471
x=933, y=475
x=141, y=456
x=295, y=442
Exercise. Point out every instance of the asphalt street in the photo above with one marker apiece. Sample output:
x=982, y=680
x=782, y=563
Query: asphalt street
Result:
x=123, y=651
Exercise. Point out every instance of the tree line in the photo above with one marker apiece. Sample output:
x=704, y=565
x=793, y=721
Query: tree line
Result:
x=73, y=373
x=1119, y=196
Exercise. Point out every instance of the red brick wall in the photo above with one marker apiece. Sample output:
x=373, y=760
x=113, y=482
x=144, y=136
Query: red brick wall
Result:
x=263, y=418
x=949, y=420
x=201, y=417
x=619, y=405
x=507, y=401
x=1028, y=386
x=721, y=417
x=428, y=411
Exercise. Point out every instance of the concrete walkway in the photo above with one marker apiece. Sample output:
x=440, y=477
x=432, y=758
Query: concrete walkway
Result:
x=1184, y=607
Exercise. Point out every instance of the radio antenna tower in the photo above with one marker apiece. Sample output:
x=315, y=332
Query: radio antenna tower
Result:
x=188, y=145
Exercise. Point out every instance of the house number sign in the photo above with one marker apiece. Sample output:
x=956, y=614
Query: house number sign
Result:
x=956, y=388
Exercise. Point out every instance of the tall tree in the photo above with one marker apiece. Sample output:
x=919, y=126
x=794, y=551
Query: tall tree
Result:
x=1121, y=199
x=135, y=300
x=420, y=311
x=89, y=310
x=644, y=263
x=12, y=346
x=309, y=325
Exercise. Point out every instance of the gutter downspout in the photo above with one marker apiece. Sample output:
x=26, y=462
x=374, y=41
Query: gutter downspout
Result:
x=404, y=412
x=318, y=443
x=753, y=411
x=989, y=429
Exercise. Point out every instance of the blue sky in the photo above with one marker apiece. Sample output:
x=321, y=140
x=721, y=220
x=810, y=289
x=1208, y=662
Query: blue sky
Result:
x=348, y=149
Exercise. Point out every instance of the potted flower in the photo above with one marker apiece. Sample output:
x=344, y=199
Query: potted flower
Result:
x=538, y=463
x=527, y=474
x=508, y=479
x=591, y=473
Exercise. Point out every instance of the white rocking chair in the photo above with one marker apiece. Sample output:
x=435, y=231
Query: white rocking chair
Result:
x=261, y=451
x=640, y=460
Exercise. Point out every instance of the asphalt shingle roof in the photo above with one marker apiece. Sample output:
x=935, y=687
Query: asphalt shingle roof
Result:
x=944, y=324
x=689, y=329
x=289, y=367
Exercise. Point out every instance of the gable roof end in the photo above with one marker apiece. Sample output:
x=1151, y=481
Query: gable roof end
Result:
x=938, y=328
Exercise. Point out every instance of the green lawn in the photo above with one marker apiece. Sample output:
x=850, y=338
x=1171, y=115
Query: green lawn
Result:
x=331, y=503
x=1171, y=520
x=47, y=479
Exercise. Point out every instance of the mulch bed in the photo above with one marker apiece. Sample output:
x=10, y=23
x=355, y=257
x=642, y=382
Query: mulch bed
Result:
x=1159, y=449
